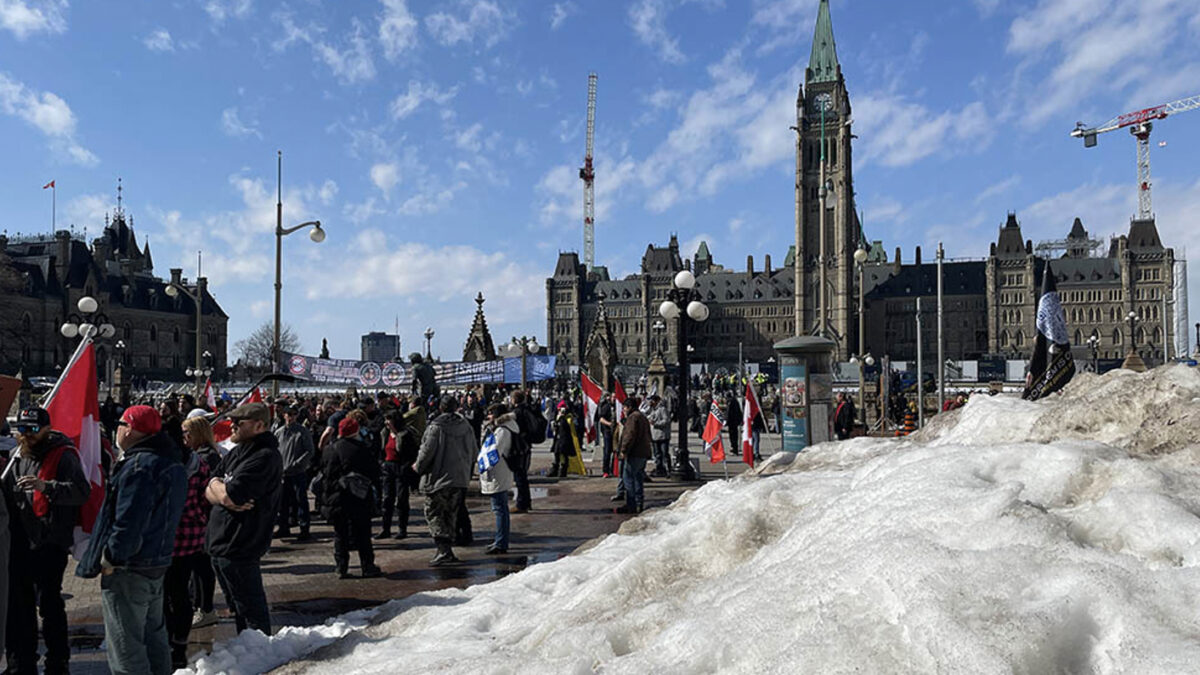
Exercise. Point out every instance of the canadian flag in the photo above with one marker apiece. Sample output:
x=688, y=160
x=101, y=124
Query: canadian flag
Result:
x=619, y=397
x=223, y=429
x=210, y=396
x=591, y=403
x=74, y=409
x=750, y=410
x=48, y=185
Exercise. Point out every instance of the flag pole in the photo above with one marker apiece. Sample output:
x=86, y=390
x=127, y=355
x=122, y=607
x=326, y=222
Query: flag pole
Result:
x=87, y=340
x=53, y=208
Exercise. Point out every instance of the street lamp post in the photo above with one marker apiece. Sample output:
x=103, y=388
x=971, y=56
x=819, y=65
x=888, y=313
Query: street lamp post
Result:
x=317, y=235
x=1093, y=344
x=204, y=369
x=429, y=343
x=683, y=302
x=1197, y=354
x=525, y=344
x=173, y=290
x=1132, y=318
x=660, y=330
x=862, y=362
x=860, y=260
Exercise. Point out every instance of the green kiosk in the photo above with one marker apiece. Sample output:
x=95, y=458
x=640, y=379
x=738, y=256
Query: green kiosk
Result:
x=805, y=390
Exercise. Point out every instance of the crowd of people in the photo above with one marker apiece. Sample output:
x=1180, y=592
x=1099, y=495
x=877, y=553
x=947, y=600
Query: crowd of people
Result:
x=193, y=498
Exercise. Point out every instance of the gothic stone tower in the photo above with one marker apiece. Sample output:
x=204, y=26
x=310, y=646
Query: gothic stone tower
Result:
x=823, y=155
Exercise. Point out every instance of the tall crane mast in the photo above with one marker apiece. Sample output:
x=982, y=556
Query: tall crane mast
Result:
x=1141, y=122
x=589, y=175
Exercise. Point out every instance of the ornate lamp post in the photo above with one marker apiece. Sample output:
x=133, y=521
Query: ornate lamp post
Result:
x=317, y=235
x=1196, y=355
x=84, y=325
x=1093, y=344
x=862, y=363
x=197, y=297
x=204, y=371
x=683, y=303
x=525, y=344
x=1132, y=318
x=429, y=343
x=660, y=330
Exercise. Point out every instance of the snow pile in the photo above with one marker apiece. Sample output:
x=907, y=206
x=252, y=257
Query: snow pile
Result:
x=987, y=544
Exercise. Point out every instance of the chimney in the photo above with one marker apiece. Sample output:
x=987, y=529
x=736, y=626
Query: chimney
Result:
x=896, y=265
x=3, y=243
x=767, y=264
x=177, y=275
x=749, y=266
x=62, y=260
x=917, y=259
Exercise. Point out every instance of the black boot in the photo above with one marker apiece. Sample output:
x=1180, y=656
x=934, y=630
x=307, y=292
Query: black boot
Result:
x=444, y=556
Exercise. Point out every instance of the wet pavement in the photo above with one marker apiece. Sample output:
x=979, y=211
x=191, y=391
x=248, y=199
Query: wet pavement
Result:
x=303, y=590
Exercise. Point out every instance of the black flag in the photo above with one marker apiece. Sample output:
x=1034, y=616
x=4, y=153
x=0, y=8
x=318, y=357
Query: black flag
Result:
x=1052, y=365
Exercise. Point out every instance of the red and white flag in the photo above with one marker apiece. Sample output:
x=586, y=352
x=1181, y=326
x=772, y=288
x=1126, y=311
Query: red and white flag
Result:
x=210, y=396
x=750, y=410
x=591, y=403
x=619, y=397
x=224, y=429
x=713, y=445
x=74, y=409
x=48, y=185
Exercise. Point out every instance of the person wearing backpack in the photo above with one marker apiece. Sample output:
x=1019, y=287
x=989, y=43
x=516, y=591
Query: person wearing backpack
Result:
x=351, y=479
x=531, y=427
x=496, y=478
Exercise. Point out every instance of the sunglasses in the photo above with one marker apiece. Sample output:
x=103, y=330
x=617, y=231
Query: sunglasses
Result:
x=27, y=428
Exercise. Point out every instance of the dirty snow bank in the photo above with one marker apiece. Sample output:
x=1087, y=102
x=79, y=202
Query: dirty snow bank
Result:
x=987, y=544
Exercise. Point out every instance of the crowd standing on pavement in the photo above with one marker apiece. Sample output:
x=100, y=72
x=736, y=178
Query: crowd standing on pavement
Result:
x=186, y=510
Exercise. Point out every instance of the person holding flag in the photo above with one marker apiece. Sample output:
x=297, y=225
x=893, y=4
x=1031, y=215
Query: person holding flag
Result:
x=1052, y=365
x=750, y=410
x=713, y=446
x=45, y=480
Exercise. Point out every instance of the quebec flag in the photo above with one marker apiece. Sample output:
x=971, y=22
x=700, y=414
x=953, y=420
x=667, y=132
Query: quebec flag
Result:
x=1052, y=365
x=489, y=454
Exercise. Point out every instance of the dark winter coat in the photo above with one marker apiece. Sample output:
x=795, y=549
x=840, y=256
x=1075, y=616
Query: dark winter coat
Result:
x=67, y=492
x=143, y=501
x=340, y=458
x=448, y=451
x=635, y=436
x=252, y=470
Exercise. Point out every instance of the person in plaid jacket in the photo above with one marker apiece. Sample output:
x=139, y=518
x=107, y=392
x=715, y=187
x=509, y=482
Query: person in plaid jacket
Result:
x=187, y=557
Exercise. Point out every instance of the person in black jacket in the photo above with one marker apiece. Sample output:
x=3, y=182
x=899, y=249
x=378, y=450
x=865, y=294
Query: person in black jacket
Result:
x=733, y=421
x=46, y=487
x=351, y=480
x=397, y=475
x=245, y=495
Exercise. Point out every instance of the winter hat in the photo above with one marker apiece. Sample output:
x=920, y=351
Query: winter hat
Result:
x=562, y=404
x=142, y=419
x=348, y=427
x=197, y=412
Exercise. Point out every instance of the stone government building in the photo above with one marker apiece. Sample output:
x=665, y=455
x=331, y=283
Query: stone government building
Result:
x=43, y=277
x=990, y=305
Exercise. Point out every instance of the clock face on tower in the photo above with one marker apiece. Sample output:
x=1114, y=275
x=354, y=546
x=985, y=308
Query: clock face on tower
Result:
x=822, y=102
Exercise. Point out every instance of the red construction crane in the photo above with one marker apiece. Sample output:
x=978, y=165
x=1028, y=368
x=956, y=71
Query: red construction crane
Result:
x=588, y=176
x=1141, y=122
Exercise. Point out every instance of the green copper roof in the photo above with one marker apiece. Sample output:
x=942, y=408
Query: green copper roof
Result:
x=790, y=260
x=823, y=63
x=702, y=253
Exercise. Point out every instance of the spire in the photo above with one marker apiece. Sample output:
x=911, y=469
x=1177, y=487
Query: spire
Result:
x=823, y=64
x=480, y=346
x=120, y=209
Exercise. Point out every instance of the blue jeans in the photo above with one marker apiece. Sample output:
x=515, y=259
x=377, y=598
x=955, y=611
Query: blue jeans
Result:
x=133, y=623
x=754, y=435
x=241, y=582
x=633, y=471
x=500, y=508
x=662, y=456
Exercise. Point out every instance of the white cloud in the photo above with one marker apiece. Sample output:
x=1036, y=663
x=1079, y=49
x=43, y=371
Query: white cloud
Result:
x=426, y=203
x=468, y=139
x=482, y=19
x=397, y=29
x=648, y=18
x=385, y=176
x=407, y=103
x=1093, y=50
x=660, y=98
x=417, y=272
x=159, y=41
x=327, y=192
x=350, y=65
x=559, y=13
x=899, y=132
x=25, y=17
x=219, y=10
x=88, y=209
x=49, y=114
x=361, y=212
x=786, y=22
x=232, y=124
x=999, y=188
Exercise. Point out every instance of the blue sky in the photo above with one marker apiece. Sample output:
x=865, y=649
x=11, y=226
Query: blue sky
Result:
x=439, y=141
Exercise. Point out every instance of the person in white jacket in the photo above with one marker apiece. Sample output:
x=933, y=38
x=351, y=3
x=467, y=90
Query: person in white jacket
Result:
x=497, y=481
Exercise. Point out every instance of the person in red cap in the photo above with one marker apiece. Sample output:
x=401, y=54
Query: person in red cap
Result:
x=133, y=542
x=46, y=485
x=352, y=479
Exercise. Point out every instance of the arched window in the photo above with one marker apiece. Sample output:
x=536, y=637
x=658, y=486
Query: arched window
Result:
x=1020, y=341
x=127, y=331
x=1003, y=338
x=26, y=324
x=175, y=335
x=1116, y=336
x=1078, y=337
x=153, y=333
